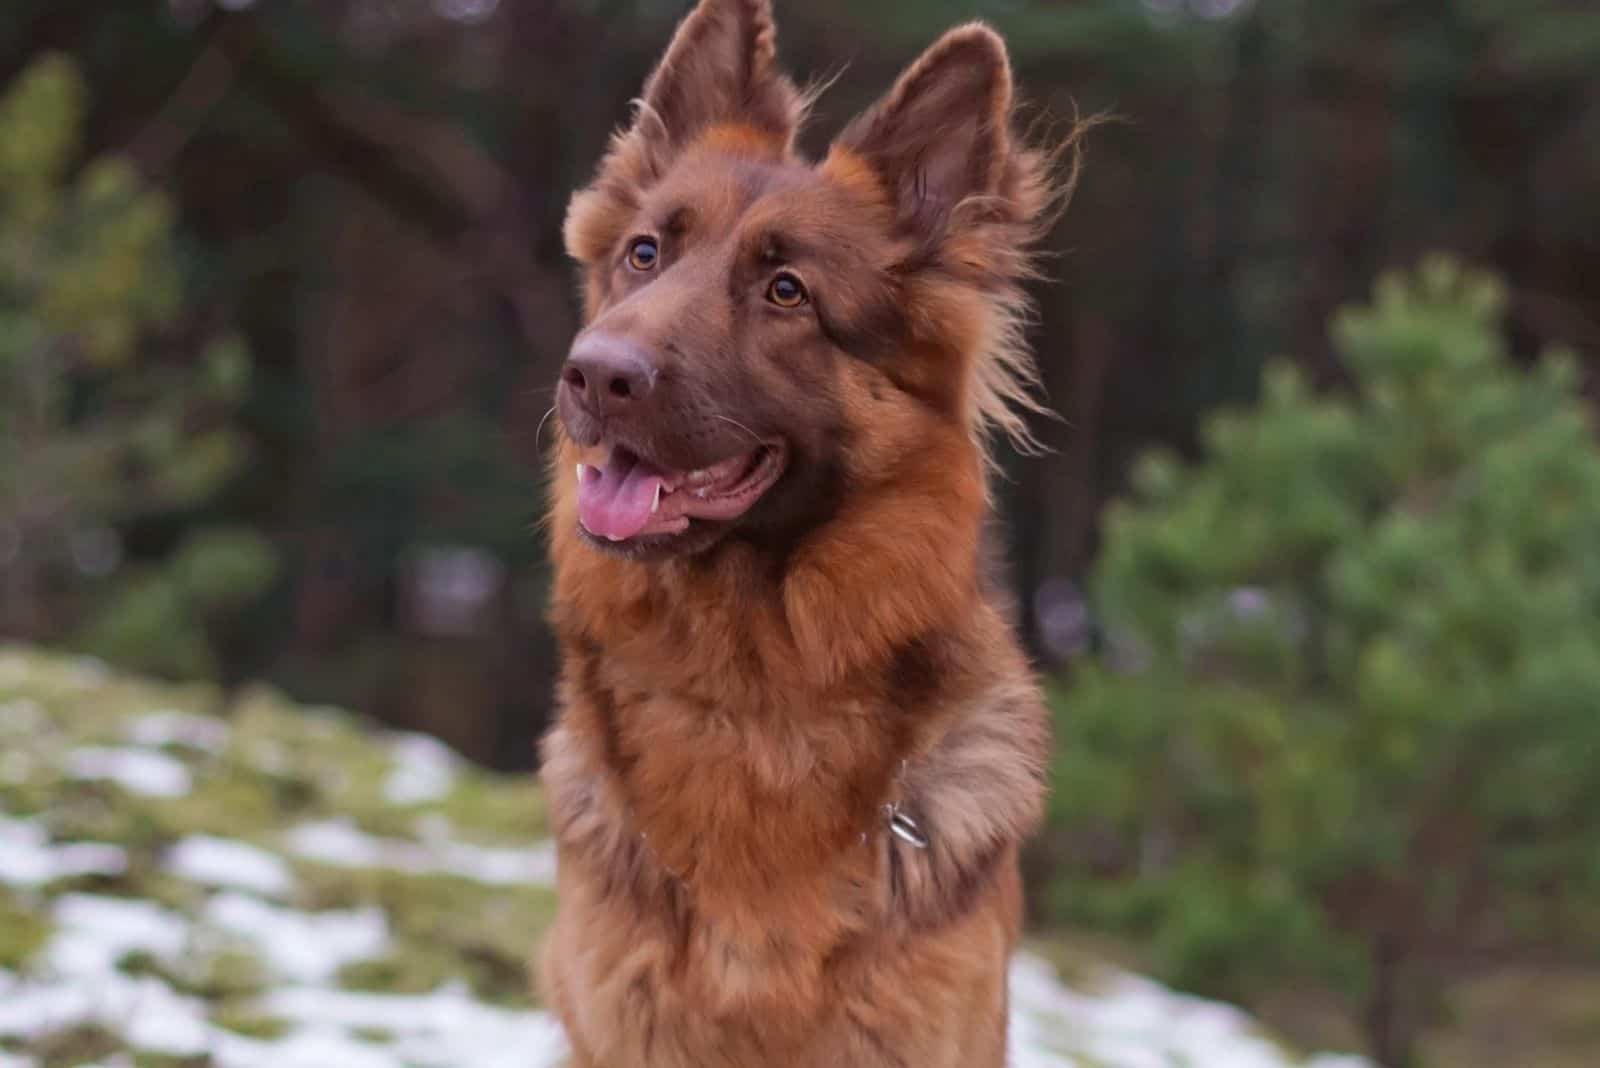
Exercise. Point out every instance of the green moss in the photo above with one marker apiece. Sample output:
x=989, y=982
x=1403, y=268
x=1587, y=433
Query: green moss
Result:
x=316, y=763
x=23, y=931
x=444, y=928
x=162, y=1060
x=234, y=800
x=496, y=808
x=223, y=975
x=375, y=1035
x=412, y=969
x=155, y=885
x=29, y=797
x=100, y=812
x=140, y=962
x=242, y=1019
x=85, y=701
x=73, y=1047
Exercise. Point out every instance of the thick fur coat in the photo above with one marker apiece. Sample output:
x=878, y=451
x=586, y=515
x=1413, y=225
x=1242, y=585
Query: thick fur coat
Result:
x=758, y=682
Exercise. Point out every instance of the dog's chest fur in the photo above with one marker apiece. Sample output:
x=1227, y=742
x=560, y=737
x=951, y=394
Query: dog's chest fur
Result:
x=730, y=885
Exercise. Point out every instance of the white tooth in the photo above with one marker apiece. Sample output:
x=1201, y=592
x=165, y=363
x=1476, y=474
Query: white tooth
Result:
x=580, y=474
x=655, y=505
x=700, y=493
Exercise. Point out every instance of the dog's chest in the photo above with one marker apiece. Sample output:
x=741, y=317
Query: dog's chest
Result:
x=686, y=977
x=746, y=803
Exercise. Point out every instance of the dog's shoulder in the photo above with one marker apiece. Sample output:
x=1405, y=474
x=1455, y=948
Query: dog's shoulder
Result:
x=970, y=795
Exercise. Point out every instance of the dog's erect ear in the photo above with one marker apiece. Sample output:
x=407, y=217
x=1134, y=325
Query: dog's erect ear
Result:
x=942, y=135
x=966, y=195
x=722, y=66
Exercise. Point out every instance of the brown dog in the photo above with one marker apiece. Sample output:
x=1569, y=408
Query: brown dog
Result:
x=798, y=744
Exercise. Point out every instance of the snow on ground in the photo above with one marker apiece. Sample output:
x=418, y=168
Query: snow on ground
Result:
x=1132, y=1022
x=94, y=933
x=424, y=770
x=181, y=910
x=427, y=1029
x=139, y=771
x=341, y=844
x=171, y=727
x=225, y=862
x=300, y=946
x=29, y=858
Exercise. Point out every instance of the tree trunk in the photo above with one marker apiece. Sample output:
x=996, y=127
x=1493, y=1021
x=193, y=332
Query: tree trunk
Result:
x=1391, y=1028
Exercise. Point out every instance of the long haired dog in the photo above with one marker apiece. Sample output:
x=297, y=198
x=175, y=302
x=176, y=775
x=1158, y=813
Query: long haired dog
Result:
x=798, y=743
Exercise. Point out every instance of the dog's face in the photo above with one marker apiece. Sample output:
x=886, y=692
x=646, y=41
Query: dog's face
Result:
x=704, y=394
x=765, y=337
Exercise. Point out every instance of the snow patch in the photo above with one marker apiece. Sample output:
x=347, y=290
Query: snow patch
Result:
x=439, y=1030
x=339, y=843
x=443, y=1030
x=27, y=857
x=301, y=1049
x=138, y=771
x=145, y=1011
x=424, y=770
x=1132, y=1022
x=304, y=947
x=230, y=864
x=93, y=933
x=170, y=727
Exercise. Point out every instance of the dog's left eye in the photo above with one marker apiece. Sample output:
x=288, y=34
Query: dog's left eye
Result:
x=643, y=254
x=787, y=292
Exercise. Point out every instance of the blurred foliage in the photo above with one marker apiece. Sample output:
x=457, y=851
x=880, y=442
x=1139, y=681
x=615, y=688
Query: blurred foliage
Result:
x=158, y=618
x=1347, y=729
x=105, y=419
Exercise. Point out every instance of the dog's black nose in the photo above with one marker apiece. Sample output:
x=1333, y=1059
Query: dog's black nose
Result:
x=608, y=375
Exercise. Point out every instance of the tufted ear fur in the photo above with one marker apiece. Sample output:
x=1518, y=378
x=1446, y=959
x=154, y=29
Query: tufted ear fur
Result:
x=942, y=135
x=720, y=69
x=722, y=66
x=969, y=198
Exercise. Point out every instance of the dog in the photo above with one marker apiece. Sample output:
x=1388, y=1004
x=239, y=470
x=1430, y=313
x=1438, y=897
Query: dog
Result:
x=798, y=744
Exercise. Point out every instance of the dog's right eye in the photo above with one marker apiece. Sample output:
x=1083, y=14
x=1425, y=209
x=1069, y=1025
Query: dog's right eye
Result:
x=643, y=254
x=786, y=291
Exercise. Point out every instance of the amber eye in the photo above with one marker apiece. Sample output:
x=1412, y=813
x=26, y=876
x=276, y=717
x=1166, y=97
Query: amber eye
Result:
x=786, y=291
x=643, y=254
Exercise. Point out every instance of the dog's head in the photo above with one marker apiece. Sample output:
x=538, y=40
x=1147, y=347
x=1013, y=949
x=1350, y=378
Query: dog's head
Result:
x=767, y=339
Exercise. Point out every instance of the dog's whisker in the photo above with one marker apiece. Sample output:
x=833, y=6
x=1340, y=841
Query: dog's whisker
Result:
x=753, y=435
x=538, y=435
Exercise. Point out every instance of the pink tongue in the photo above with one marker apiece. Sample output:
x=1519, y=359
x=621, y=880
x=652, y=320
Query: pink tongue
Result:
x=614, y=501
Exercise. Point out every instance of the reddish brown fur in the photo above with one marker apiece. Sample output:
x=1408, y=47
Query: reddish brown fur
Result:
x=735, y=720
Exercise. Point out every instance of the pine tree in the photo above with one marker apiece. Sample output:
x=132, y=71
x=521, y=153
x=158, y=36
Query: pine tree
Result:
x=1354, y=733
x=106, y=417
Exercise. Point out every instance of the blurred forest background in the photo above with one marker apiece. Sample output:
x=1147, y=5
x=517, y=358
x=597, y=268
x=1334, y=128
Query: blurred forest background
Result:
x=282, y=297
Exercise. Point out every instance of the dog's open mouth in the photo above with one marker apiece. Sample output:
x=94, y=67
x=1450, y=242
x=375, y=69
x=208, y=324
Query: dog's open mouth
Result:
x=628, y=497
